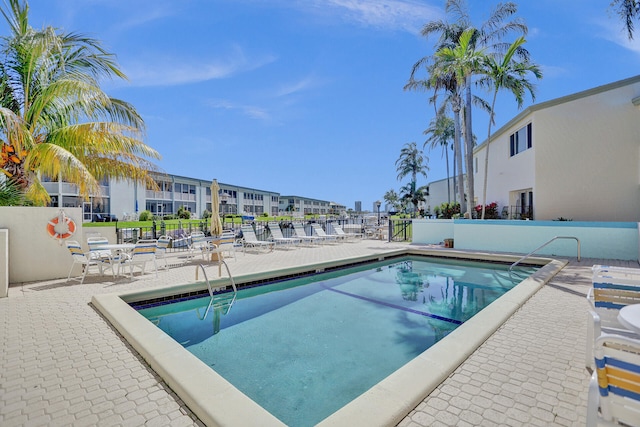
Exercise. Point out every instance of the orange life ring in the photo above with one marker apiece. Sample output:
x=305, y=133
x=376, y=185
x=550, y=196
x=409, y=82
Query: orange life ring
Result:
x=64, y=222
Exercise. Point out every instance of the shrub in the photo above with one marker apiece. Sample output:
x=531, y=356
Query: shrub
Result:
x=145, y=216
x=206, y=214
x=448, y=210
x=490, y=211
x=183, y=213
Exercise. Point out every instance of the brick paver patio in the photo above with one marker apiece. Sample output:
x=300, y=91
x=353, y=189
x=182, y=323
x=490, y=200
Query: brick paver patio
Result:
x=63, y=364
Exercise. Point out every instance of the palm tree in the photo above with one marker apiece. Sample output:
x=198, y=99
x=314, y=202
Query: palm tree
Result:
x=54, y=118
x=441, y=132
x=459, y=62
x=494, y=28
x=392, y=199
x=412, y=161
x=10, y=194
x=628, y=10
x=506, y=73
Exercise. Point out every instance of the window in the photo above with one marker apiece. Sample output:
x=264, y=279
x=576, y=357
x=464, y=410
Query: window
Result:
x=520, y=141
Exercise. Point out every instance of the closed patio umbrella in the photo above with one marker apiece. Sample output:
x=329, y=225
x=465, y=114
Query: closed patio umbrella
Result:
x=216, y=224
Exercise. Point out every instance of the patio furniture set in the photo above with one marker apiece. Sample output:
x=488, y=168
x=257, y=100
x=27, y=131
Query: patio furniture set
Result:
x=114, y=258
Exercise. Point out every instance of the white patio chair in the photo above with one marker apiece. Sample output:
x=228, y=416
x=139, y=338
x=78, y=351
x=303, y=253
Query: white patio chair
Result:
x=144, y=252
x=161, y=249
x=85, y=260
x=226, y=244
x=610, y=292
x=614, y=390
x=199, y=243
x=94, y=242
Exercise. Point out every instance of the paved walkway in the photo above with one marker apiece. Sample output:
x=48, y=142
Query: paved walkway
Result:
x=63, y=364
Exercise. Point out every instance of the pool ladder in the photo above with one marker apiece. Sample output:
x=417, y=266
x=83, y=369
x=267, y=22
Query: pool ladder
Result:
x=224, y=304
x=542, y=246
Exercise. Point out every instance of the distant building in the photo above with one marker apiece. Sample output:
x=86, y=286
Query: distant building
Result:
x=358, y=206
x=303, y=206
x=126, y=199
x=441, y=192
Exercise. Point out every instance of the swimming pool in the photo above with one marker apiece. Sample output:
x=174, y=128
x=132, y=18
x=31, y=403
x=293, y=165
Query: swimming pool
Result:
x=304, y=348
x=215, y=400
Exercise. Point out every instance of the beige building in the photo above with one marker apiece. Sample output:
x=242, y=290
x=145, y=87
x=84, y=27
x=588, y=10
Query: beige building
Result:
x=576, y=157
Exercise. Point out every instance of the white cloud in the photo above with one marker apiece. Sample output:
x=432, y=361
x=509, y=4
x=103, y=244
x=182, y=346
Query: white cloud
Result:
x=297, y=86
x=387, y=14
x=248, y=110
x=615, y=32
x=172, y=71
x=403, y=15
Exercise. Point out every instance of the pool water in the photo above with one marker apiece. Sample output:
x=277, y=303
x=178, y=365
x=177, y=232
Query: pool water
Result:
x=304, y=348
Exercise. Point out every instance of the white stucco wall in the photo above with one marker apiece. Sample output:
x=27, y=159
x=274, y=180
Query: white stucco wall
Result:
x=585, y=159
x=34, y=255
x=122, y=195
x=506, y=173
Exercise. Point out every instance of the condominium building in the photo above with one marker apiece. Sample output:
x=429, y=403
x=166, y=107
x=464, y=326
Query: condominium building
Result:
x=574, y=157
x=126, y=199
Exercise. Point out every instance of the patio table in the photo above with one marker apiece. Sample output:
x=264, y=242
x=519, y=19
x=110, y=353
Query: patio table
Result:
x=122, y=249
x=629, y=317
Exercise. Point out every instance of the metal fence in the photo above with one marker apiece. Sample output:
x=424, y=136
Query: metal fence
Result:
x=398, y=230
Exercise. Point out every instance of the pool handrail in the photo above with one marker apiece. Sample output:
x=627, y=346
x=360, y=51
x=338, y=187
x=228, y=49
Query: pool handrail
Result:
x=233, y=286
x=542, y=246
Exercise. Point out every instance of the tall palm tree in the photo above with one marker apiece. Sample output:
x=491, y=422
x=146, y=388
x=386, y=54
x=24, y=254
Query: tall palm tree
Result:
x=441, y=132
x=487, y=35
x=628, y=10
x=458, y=62
x=504, y=72
x=412, y=161
x=54, y=118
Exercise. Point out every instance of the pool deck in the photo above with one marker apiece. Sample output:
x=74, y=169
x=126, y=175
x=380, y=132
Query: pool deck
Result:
x=62, y=363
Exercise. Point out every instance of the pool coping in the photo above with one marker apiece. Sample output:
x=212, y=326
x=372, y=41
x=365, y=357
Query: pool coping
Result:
x=216, y=402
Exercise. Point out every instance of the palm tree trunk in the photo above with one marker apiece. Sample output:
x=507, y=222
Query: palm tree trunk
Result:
x=446, y=156
x=458, y=142
x=469, y=145
x=486, y=155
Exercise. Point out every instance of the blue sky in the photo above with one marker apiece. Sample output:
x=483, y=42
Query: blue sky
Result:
x=305, y=97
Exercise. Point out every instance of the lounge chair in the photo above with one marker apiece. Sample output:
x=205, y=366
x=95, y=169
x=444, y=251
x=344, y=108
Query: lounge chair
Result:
x=250, y=240
x=86, y=261
x=329, y=238
x=337, y=229
x=278, y=238
x=304, y=237
x=615, y=385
